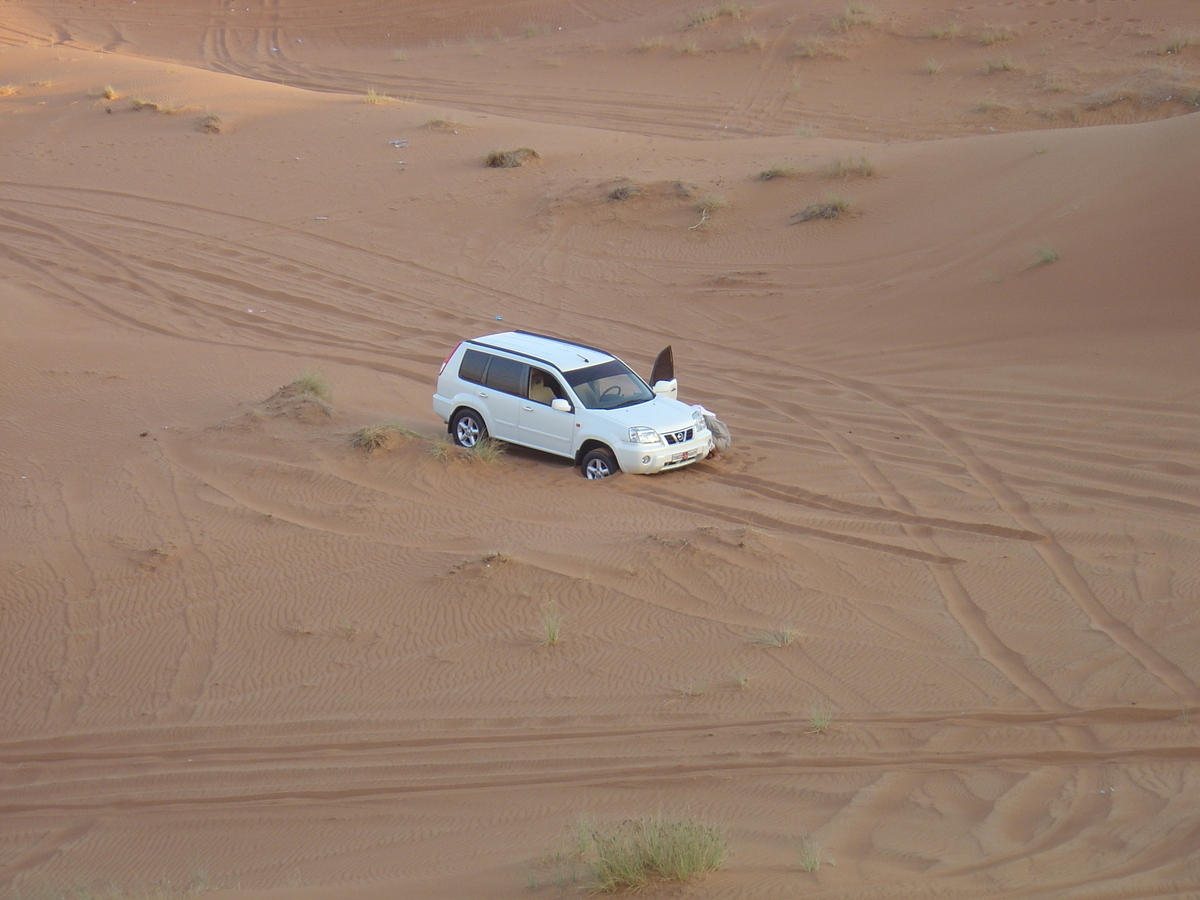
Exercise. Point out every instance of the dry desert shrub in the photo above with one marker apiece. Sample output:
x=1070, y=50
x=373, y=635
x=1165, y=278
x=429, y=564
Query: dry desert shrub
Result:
x=750, y=40
x=932, y=67
x=709, y=203
x=852, y=16
x=511, y=159
x=708, y=14
x=1000, y=64
x=647, y=44
x=209, y=123
x=625, y=191
x=814, y=48
x=989, y=106
x=373, y=98
x=776, y=170
x=850, y=168
x=443, y=450
x=1177, y=43
x=994, y=34
x=7, y=90
x=687, y=47
x=445, y=123
x=828, y=207
x=944, y=32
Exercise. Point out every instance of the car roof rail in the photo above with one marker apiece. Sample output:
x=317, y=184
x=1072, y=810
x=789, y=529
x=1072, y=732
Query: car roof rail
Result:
x=550, y=337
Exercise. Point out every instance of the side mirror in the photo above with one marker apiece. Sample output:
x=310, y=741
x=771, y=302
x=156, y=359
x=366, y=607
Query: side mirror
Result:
x=560, y=404
x=667, y=388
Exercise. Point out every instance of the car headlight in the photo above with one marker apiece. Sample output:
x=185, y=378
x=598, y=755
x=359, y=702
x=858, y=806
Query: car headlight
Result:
x=640, y=434
x=698, y=418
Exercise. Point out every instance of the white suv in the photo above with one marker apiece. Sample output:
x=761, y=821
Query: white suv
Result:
x=569, y=400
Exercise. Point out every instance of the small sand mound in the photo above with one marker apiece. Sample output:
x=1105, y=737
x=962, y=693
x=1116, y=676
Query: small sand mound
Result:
x=294, y=402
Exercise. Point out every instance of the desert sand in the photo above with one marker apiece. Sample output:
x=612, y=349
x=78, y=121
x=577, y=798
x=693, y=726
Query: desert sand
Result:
x=241, y=657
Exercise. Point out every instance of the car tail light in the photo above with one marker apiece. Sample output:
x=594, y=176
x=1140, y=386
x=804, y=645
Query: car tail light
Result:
x=447, y=359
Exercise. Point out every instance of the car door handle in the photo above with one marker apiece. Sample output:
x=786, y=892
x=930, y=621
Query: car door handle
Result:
x=527, y=408
x=483, y=394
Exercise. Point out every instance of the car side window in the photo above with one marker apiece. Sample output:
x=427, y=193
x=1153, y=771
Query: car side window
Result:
x=507, y=375
x=544, y=387
x=473, y=366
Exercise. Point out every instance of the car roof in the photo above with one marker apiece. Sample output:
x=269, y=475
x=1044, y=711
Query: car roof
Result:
x=563, y=355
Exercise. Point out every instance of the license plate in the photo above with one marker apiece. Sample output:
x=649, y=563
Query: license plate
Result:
x=684, y=456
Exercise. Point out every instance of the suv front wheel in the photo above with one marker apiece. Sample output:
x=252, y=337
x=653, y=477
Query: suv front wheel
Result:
x=599, y=463
x=467, y=428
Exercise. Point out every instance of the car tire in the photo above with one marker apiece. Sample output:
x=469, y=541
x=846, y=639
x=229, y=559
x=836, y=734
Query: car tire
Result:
x=467, y=428
x=599, y=463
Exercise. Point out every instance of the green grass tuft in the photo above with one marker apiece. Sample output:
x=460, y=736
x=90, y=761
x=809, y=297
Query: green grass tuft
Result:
x=810, y=855
x=549, y=630
x=819, y=721
x=632, y=855
x=1044, y=255
x=385, y=436
x=780, y=637
x=313, y=382
x=487, y=451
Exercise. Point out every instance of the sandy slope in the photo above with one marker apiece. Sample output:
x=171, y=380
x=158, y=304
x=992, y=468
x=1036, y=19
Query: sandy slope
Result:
x=968, y=479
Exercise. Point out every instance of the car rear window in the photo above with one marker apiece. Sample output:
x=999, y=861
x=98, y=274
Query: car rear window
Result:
x=507, y=375
x=473, y=366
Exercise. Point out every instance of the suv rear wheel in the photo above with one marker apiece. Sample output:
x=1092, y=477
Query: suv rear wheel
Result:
x=467, y=428
x=599, y=463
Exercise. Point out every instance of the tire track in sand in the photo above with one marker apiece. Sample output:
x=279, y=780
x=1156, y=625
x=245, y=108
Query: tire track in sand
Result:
x=1056, y=558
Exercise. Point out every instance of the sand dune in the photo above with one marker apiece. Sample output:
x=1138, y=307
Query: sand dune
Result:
x=241, y=654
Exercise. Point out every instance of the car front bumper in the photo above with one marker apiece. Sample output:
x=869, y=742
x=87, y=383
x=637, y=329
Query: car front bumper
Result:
x=649, y=459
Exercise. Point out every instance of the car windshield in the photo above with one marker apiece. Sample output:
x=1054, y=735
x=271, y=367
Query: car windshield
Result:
x=609, y=385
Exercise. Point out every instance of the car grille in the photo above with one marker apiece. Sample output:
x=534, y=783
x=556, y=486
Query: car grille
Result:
x=679, y=437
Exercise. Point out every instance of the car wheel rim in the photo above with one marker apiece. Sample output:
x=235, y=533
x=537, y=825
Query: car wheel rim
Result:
x=468, y=432
x=597, y=468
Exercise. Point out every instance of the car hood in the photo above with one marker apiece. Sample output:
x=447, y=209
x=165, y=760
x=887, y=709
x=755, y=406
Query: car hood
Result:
x=662, y=414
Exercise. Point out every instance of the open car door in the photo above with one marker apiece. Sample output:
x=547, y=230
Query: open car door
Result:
x=662, y=376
